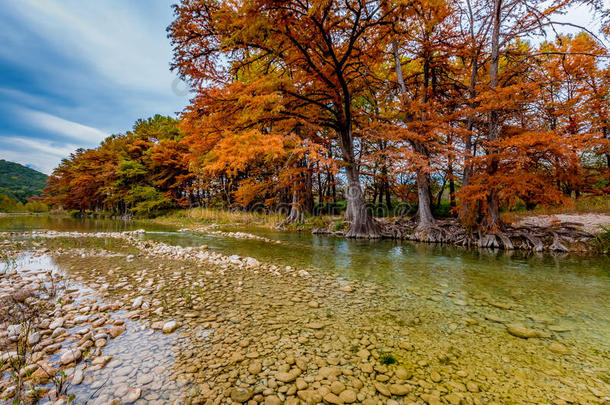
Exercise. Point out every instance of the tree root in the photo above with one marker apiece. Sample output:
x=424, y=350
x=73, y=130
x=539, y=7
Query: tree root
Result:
x=559, y=238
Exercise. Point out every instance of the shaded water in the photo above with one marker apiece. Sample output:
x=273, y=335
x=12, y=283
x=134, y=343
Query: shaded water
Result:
x=456, y=294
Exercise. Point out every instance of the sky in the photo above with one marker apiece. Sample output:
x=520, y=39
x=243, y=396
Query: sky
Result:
x=73, y=72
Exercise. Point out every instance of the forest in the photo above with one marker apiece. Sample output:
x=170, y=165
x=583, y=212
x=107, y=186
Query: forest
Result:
x=366, y=109
x=20, y=188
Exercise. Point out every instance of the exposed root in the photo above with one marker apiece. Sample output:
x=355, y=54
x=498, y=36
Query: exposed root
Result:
x=558, y=238
x=369, y=228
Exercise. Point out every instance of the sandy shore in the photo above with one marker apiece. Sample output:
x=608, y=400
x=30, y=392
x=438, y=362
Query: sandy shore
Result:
x=592, y=222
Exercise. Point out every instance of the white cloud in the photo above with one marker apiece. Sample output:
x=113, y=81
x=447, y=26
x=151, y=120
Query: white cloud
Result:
x=111, y=37
x=41, y=154
x=84, y=134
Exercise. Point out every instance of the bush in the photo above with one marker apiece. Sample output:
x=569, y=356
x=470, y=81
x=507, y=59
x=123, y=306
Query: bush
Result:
x=147, y=201
x=36, y=206
x=7, y=204
x=602, y=241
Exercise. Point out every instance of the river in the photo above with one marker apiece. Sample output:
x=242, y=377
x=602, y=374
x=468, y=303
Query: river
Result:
x=441, y=312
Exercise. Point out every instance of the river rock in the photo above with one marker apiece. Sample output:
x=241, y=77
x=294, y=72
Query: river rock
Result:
x=326, y=372
x=472, y=386
x=558, y=348
x=241, y=395
x=57, y=323
x=399, y=389
x=70, y=356
x=116, y=331
x=251, y=262
x=78, y=377
x=435, y=377
x=287, y=377
x=348, y=396
x=80, y=319
x=170, y=326
x=332, y=399
x=137, y=303
x=157, y=325
x=431, y=399
x=382, y=389
x=101, y=360
x=255, y=367
x=494, y=318
x=402, y=373
x=33, y=338
x=560, y=328
x=143, y=379
x=7, y=356
x=133, y=394
x=521, y=331
x=272, y=400
x=337, y=387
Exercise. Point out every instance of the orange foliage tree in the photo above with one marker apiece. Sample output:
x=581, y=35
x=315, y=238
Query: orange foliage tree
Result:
x=301, y=104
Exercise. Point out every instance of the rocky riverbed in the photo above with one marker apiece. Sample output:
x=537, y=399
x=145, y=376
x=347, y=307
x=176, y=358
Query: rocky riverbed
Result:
x=165, y=324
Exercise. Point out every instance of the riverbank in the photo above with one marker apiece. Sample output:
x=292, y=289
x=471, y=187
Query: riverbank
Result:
x=247, y=330
x=585, y=233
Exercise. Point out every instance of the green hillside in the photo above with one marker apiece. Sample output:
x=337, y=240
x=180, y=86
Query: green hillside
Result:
x=19, y=182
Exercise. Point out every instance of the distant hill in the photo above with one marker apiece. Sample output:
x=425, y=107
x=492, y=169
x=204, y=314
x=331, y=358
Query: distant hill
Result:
x=19, y=182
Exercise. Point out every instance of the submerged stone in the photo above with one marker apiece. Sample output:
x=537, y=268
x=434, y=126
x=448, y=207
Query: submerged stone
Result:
x=521, y=331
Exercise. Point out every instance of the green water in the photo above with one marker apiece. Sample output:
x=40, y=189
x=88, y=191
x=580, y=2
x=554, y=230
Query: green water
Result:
x=572, y=287
x=454, y=293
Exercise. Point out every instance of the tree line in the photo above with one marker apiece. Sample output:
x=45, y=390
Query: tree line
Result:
x=305, y=103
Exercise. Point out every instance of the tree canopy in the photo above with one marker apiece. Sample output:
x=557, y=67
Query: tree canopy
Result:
x=299, y=105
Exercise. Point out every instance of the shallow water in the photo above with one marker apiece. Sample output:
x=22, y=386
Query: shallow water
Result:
x=442, y=295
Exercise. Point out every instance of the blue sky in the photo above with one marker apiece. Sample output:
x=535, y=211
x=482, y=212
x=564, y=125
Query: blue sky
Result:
x=73, y=72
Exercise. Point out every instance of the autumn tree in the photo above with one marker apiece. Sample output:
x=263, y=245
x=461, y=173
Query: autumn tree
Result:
x=141, y=171
x=319, y=53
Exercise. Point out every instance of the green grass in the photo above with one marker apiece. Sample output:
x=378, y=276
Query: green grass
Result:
x=602, y=241
x=387, y=359
x=207, y=216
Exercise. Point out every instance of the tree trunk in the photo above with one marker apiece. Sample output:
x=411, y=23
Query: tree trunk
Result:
x=451, y=185
x=606, y=133
x=362, y=223
x=297, y=213
x=375, y=188
x=388, y=200
x=424, y=212
x=492, y=220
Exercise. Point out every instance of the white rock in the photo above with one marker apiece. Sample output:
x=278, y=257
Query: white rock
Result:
x=70, y=356
x=14, y=330
x=137, y=303
x=80, y=319
x=33, y=338
x=7, y=356
x=133, y=394
x=252, y=262
x=78, y=377
x=57, y=323
x=170, y=326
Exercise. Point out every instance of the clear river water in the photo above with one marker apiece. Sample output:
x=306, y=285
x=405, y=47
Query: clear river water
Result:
x=446, y=299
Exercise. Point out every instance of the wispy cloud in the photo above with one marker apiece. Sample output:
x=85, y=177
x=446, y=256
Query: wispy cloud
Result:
x=72, y=72
x=63, y=128
x=40, y=154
